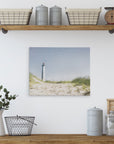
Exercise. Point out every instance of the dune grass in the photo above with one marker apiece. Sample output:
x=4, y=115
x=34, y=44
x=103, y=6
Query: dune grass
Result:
x=33, y=79
x=81, y=81
x=58, y=82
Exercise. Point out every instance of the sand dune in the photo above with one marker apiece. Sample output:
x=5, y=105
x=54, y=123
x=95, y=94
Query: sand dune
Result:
x=41, y=88
x=66, y=89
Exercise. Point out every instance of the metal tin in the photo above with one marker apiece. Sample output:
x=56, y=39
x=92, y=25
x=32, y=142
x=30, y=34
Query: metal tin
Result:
x=55, y=15
x=94, y=122
x=42, y=15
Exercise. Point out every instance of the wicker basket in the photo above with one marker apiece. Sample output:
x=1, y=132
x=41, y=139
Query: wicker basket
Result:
x=19, y=125
x=15, y=16
x=83, y=16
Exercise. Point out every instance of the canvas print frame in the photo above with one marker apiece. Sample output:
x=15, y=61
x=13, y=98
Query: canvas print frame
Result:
x=55, y=71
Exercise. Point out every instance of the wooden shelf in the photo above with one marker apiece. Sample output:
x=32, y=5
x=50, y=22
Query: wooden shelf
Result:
x=57, y=139
x=62, y=27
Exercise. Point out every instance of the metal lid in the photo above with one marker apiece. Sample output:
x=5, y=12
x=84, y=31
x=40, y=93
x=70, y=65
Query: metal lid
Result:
x=95, y=109
x=41, y=6
x=55, y=7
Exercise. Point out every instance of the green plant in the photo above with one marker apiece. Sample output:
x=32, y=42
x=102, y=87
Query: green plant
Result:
x=5, y=98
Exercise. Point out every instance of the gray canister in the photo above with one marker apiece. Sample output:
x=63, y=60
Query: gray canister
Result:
x=55, y=15
x=94, y=122
x=42, y=15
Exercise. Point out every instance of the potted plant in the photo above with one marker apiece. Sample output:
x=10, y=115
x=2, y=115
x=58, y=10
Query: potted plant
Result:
x=5, y=98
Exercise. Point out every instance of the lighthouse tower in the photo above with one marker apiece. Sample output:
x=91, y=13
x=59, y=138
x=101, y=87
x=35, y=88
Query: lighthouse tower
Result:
x=43, y=72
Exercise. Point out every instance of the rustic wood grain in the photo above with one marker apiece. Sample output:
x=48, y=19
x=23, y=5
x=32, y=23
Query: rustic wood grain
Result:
x=62, y=27
x=57, y=139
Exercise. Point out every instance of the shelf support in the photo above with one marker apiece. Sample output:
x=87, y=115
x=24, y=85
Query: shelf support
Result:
x=4, y=31
x=111, y=31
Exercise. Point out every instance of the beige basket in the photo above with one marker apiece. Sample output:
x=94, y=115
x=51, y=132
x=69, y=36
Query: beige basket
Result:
x=83, y=16
x=15, y=16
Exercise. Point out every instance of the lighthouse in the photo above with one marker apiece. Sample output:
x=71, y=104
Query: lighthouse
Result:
x=43, y=72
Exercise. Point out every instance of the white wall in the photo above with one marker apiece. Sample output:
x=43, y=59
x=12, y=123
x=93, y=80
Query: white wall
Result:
x=57, y=114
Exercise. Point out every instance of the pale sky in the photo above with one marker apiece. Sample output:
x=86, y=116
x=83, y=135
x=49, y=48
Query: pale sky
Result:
x=60, y=63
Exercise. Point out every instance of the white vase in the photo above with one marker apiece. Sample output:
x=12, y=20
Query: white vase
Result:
x=2, y=130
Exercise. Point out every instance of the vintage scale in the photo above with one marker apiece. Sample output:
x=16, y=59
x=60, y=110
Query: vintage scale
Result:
x=109, y=16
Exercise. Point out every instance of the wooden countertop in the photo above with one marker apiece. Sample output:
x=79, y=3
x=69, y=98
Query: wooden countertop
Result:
x=57, y=139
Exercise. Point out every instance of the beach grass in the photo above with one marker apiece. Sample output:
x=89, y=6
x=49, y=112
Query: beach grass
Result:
x=33, y=79
x=81, y=81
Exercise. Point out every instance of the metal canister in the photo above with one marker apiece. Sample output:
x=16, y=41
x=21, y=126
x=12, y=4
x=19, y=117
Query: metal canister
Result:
x=95, y=122
x=42, y=15
x=55, y=15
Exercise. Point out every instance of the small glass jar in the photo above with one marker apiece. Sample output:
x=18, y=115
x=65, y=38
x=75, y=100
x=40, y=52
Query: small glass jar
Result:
x=110, y=124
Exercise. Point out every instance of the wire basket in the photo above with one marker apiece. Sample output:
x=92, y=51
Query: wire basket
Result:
x=83, y=16
x=15, y=16
x=19, y=125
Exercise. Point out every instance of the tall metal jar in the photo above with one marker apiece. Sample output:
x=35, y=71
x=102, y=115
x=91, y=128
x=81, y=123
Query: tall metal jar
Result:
x=55, y=15
x=42, y=15
x=95, y=122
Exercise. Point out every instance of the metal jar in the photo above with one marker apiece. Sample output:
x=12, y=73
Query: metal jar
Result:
x=95, y=122
x=42, y=15
x=56, y=15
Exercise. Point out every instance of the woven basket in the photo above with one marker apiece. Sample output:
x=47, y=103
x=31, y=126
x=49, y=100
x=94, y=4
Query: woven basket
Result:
x=15, y=16
x=83, y=16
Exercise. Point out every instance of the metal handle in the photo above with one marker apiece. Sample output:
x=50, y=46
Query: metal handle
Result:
x=25, y=120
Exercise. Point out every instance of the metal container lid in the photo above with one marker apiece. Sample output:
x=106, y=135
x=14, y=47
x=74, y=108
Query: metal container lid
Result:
x=94, y=109
x=55, y=7
x=41, y=6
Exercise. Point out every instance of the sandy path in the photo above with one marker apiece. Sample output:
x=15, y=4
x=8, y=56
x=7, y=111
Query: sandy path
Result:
x=62, y=89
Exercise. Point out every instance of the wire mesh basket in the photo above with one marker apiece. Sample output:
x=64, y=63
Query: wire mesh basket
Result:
x=15, y=16
x=83, y=16
x=19, y=125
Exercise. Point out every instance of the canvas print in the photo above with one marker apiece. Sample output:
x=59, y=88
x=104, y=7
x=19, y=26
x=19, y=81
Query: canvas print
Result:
x=59, y=71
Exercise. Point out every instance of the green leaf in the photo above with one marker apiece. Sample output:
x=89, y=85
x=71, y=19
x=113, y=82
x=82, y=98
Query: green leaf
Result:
x=6, y=96
x=14, y=98
x=1, y=104
x=7, y=103
x=1, y=87
x=4, y=104
x=9, y=98
x=5, y=90
x=3, y=99
x=7, y=107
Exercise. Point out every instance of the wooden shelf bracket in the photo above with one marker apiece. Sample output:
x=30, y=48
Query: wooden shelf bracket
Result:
x=4, y=31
